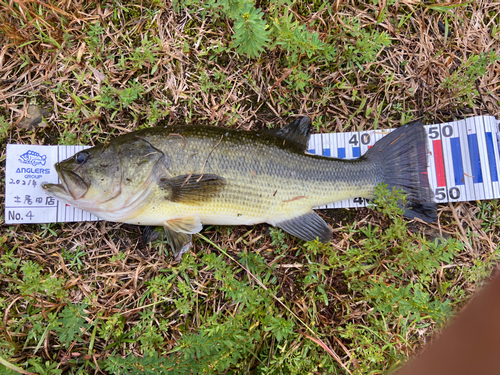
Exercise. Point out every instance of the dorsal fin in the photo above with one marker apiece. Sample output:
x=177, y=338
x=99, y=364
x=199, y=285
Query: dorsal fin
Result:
x=297, y=132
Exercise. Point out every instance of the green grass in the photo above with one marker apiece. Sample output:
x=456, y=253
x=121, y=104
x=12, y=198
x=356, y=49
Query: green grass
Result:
x=247, y=318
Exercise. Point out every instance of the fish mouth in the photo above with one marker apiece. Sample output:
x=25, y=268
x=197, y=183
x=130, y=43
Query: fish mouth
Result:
x=72, y=186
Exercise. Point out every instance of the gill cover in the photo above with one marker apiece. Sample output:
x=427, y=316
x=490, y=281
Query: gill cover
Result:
x=138, y=160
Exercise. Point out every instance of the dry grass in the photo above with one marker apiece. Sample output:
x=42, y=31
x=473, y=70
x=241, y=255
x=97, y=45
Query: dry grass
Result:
x=53, y=56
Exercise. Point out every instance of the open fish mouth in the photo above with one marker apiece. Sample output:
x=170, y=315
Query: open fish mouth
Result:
x=72, y=186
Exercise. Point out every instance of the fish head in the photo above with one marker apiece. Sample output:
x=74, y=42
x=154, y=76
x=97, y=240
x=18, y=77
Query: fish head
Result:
x=109, y=180
x=90, y=176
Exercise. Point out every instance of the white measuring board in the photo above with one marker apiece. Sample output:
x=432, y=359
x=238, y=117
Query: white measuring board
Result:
x=463, y=165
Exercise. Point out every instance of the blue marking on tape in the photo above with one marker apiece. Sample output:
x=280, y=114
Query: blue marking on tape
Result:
x=355, y=152
x=326, y=152
x=312, y=151
x=491, y=157
x=477, y=174
x=458, y=167
x=341, y=152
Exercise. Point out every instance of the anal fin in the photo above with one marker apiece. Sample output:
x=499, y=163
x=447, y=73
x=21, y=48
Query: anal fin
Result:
x=307, y=227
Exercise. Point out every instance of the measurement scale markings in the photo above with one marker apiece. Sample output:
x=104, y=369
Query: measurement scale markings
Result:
x=493, y=127
x=318, y=144
x=483, y=158
x=451, y=192
x=341, y=152
x=458, y=167
x=492, y=161
x=477, y=175
x=491, y=157
x=311, y=146
x=475, y=161
x=367, y=141
x=355, y=152
x=464, y=149
x=439, y=163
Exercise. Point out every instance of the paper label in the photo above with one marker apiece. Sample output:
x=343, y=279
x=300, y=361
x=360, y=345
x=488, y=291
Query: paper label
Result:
x=25, y=201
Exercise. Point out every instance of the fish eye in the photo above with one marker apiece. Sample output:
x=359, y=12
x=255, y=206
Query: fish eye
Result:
x=82, y=157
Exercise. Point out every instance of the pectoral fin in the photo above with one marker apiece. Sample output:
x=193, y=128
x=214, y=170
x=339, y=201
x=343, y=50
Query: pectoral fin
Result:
x=307, y=227
x=192, y=188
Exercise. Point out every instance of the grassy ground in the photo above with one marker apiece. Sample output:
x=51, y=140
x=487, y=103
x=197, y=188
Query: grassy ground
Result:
x=85, y=298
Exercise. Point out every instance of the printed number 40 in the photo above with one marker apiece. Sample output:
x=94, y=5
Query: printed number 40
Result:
x=365, y=139
x=441, y=194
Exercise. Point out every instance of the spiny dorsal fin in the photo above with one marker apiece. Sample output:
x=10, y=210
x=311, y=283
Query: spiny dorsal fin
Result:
x=192, y=188
x=307, y=227
x=297, y=132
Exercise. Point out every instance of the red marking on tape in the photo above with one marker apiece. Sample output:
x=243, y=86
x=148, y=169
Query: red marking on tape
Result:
x=438, y=161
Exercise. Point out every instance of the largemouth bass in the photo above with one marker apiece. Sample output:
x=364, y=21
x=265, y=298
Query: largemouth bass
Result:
x=181, y=177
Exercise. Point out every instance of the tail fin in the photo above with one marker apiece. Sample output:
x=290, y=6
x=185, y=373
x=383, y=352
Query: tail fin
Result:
x=402, y=159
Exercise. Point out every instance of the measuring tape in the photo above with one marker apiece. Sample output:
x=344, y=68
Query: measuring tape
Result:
x=463, y=165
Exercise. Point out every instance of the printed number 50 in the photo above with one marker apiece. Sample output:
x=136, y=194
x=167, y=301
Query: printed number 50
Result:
x=447, y=131
x=453, y=193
